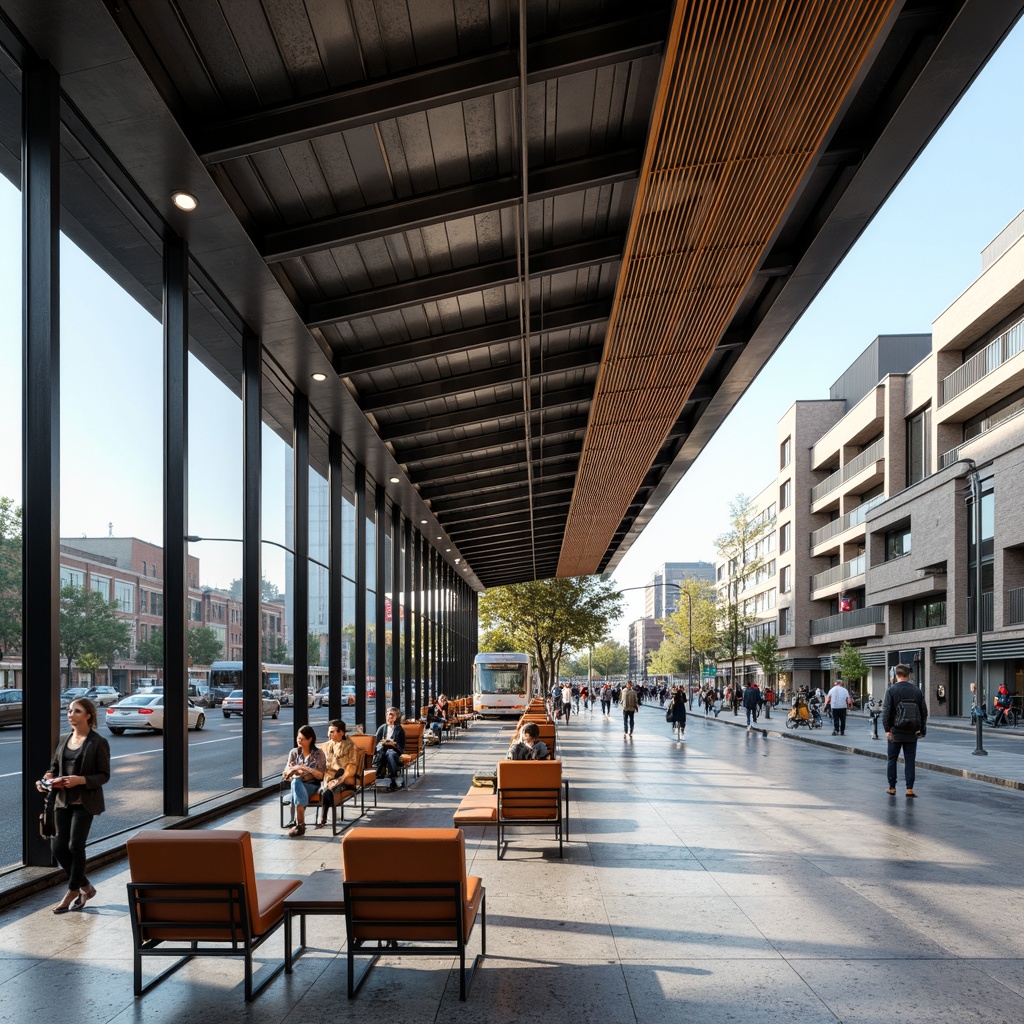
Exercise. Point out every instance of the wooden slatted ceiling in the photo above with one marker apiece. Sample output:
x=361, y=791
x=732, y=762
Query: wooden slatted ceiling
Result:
x=747, y=97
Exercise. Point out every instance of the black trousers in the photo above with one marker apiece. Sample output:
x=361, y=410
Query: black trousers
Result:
x=68, y=845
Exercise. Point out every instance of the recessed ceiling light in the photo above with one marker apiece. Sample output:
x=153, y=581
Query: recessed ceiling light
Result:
x=395, y=480
x=319, y=377
x=184, y=201
x=423, y=522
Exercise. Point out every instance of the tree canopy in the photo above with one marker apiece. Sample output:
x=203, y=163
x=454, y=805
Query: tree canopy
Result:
x=204, y=645
x=673, y=655
x=548, y=617
x=90, y=624
x=610, y=658
x=10, y=577
x=849, y=663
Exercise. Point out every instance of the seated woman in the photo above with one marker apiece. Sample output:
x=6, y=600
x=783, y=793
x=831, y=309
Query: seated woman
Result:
x=305, y=768
x=437, y=715
x=528, y=747
x=342, y=758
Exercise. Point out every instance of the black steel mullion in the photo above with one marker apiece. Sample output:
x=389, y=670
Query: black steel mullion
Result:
x=175, y=625
x=432, y=621
x=40, y=441
x=411, y=700
x=335, y=620
x=252, y=560
x=396, y=614
x=300, y=571
x=360, y=616
x=418, y=622
x=380, y=649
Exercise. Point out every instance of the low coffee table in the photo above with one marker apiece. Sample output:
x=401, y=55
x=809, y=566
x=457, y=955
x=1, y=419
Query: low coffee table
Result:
x=320, y=893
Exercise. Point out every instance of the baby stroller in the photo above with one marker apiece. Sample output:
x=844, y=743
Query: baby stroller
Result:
x=804, y=713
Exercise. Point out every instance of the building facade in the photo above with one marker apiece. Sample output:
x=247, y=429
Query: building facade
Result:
x=645, y=637
x=661, y=596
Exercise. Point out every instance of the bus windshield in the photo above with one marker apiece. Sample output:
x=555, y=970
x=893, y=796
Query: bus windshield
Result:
x=497, y=677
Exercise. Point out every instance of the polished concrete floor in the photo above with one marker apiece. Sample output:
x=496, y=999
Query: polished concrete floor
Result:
x=733, y=877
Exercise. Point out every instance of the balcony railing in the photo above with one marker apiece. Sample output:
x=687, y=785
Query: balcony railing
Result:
x=1015, y=606
x=838, y=573
x=987, y=617
x=872, y=453
x=848, y=620
x=847, y=522
x=982, y=363
x=987, y=424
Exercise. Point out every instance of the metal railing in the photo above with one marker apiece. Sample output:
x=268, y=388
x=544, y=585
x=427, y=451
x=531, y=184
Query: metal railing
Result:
x=987, y=615
x=873, y=453
x=838, y=573
x=1015, y=606
x=981, y=364
x=848, y=620
x=987, y=424
x=847, y=522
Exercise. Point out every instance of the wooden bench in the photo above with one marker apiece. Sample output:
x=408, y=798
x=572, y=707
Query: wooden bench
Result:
x=195, y=894
x=409, y=885
x=528, y=793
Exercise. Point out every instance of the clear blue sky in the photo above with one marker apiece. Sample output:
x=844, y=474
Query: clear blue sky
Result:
x=920, y=252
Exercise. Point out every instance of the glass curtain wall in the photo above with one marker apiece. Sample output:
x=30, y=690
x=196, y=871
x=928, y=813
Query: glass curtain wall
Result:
x=319, y=575
x=111, y=473
x=390, y=610
x=215, y=497
x=348, y=580
x=10, y=457
x=372, y=634
x=277, y=618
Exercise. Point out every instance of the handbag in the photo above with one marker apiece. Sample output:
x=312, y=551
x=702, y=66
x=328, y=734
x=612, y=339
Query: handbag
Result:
x=47, y=819
x=668, y=715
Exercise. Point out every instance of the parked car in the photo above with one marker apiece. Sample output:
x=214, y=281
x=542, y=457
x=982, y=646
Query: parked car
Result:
x=103, y=696
x=146, y=711
x=10, y=707
x=232, y=704
x=72, y=694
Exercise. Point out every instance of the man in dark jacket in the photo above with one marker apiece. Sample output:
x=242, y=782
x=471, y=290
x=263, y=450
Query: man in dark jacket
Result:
x=904, y=719
x=390, y=740
x=752, y=703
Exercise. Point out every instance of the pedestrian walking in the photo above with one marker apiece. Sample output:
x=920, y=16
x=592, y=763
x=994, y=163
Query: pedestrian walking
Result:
x=838, y=699
x=904, y=719
x=676, y=713
x=752, y=703
x=630, y=703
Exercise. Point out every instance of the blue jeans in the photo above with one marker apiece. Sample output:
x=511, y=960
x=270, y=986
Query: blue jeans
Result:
x=627, y=721
x=909, y=748
x=302, y=791
x=751, y=716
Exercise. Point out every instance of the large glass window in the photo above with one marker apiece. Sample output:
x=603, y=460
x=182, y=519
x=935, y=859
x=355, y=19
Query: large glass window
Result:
x=897, y=543
x=10, y=436
x=919, y=446
x=111, y=485
x=319, y=576
x=215, y=513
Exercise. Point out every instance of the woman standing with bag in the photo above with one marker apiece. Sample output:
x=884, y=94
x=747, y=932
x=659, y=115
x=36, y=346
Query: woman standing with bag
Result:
x=79, y=771
x=676, y=712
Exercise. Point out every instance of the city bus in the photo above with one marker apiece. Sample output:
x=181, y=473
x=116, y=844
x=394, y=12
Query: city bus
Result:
x=226, y=676
x=503, y=683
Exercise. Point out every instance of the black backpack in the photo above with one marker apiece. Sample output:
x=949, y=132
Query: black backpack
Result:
x=908, y=716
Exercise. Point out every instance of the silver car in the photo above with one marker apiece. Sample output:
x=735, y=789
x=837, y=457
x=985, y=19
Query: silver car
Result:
x=10, y=707
x=232, y=704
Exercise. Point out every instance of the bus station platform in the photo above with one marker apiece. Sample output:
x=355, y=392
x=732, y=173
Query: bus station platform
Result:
x=731, y=876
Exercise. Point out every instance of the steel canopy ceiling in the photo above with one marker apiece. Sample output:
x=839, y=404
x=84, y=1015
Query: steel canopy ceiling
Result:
x=538, y=313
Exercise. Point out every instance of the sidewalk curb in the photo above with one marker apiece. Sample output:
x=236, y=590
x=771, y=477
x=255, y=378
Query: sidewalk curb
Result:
x=963, y=773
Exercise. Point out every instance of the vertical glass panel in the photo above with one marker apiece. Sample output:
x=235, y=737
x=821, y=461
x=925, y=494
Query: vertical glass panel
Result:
x=348, y=572
x=10, y=449
x=319, y=576
x=111, y=469
x=215, y=515
x=389, y=609
x=278, y=557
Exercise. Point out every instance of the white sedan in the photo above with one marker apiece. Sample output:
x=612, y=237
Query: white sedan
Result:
x=146, y=711
x=232, y=704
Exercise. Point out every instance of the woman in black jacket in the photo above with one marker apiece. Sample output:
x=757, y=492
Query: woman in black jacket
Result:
x=78, y=772
x=676, y=713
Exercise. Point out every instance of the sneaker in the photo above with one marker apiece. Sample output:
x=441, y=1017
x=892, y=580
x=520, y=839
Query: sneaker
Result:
x=891, y=791
x=910, y=792
x=835, y=732
x=393, y=786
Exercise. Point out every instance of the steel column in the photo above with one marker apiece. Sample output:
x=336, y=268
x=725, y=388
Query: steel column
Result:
x=300, y=559
x=252, y=560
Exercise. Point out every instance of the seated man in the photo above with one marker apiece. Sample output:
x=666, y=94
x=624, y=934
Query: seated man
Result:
x=437, y=716
x=529, y=747
x=390, y=739
x=342, y=759
x=1000, y=706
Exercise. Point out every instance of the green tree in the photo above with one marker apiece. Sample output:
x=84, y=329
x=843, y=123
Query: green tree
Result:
x=766, y=653
x=610, y=658
x=547, y=617
x=497, y=639
x=10, y=577
x=313, y=648
x=740, y=550
x=850, y=665
x=89, y=624
x=673, y=655
x=268, y=591
x=151, y=651
x=204, y=645
x=88, y=663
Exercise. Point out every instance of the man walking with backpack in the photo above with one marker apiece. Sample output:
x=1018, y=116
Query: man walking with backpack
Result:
x=904, y=718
